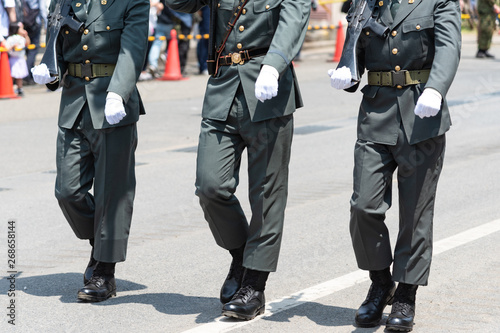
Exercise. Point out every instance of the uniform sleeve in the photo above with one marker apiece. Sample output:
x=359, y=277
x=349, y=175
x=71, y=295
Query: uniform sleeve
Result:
x=289, y=35
x=133, y=43
x=447, y=25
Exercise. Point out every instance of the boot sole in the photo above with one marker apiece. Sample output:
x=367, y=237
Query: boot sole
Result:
x=89, y=298
x=237, y=315
x=398, y=328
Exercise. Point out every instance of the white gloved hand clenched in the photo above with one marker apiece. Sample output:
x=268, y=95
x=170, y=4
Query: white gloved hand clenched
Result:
x=114, y=108
x=41, y=74
x=341, y=78
x=429, y=103
x=266, y=86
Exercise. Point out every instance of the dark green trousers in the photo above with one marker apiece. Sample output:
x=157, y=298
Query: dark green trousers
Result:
x=418, y=169
x=105, y=160
x=220, y=149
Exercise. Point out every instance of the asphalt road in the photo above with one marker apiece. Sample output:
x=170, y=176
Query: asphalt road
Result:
x=171, y=279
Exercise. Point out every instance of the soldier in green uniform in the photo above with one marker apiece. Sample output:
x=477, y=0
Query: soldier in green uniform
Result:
x=487, y=11
x=97, y=137
x=402, y=122
x=249, y=103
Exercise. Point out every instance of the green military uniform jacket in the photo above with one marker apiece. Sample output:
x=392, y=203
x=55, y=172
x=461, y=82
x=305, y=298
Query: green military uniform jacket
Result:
x=115, y=32
x=260, y=22
x=424, y=34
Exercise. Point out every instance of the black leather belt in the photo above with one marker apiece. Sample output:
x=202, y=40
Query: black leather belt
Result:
x=398, y=79
x=90, y=71
x=241, y=56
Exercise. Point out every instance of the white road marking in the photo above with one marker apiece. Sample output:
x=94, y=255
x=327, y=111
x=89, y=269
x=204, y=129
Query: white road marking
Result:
x=224, y=324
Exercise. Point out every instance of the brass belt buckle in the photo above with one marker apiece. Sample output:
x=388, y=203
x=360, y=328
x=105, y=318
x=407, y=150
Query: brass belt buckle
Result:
x=236, y=59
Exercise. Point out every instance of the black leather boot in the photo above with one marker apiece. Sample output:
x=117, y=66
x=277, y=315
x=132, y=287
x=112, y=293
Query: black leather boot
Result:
x=91, y=265
x=101, y=285
x=379, y=296
x=234, y=277
x=403, y=308
x=249, y=301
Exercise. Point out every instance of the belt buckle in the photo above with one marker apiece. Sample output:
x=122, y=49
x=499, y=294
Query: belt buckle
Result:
x=399, y=78
x=236, y=59
x=87, y=70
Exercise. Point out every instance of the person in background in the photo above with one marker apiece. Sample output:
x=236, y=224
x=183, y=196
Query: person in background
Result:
x=16, y=43
x=34, y=19
x=7, y=16
x=487, y=11
x=202, y=46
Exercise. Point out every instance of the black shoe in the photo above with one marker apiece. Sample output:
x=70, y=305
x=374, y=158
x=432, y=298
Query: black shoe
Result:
x=20, y=92
x=403, y=309
x=370, y=312
x=484, y=54
x=233, y=281
x=246, y=304
x=101, y=285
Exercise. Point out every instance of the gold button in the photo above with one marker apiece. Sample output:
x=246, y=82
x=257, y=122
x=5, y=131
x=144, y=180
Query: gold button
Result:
x=394, y=51
x=394, y=33
x=367, y=33
x=242, y=28
x=87, y=78
x=86, y=31
x=397, y=68
x=239, y=46
x=380, y=3
x=87, y=61
x=418, y=27
x=399, y=86
x=78, y=4
x=267, y=6
x=85, y=47
x=66, y=32
x=244, y=11
x=107, y=27
x=218, y=5
x=103, y=2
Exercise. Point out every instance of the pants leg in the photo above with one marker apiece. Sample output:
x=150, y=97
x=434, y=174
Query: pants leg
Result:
x=155, y=50
x=374, y=166
x=419, y=168
x=269, y=147
x=108, y=156
x=75, y=176
x=219, y=154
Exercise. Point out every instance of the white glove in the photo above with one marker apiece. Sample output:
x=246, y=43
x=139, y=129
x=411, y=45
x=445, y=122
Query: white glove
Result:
x=41, y=74
x=340, y=78
x=266, y=86
x=114, y=108
x=429, y=103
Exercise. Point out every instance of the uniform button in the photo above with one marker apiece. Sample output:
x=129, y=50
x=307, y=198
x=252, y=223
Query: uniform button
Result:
x=78, y=4
x=394, y=33
x=267, y=6
x=397, y=68
x=66, y=32
x=394, y=51
x=367, y=33
x=239, y=46
x=87, y=78
x=87, y=61
x=107, y=27
x=86, y=31
x=218, y=5
x=418, y=27
x=85, y=47
x=380, y=3
x=244, y=11
x=399, y=86
x=242, y=28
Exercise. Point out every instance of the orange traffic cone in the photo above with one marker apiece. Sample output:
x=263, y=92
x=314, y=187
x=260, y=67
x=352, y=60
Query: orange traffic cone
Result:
x=339, y=45
x=172, y=66
x=6, y=87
